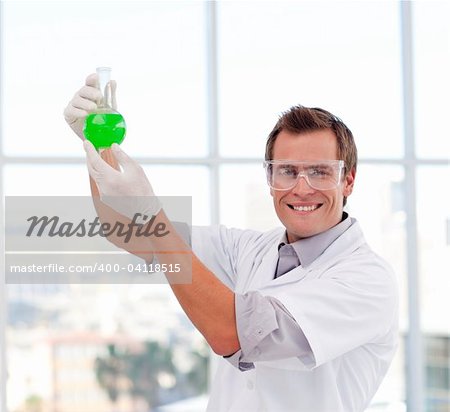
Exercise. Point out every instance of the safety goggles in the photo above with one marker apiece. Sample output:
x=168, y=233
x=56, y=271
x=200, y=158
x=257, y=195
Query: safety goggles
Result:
x=319, y=174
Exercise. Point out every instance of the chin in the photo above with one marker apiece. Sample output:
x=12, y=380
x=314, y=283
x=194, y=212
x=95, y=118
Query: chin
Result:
x=300, y=234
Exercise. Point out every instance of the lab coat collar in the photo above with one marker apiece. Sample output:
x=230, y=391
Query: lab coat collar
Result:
x=309, y=249
x=345, y=244
x=350, y=240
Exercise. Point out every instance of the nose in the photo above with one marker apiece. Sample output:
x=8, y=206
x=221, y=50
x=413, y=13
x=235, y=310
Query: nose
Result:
x=302, y=187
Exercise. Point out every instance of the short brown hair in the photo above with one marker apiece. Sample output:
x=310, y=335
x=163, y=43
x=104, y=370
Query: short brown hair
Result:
x=300, y=119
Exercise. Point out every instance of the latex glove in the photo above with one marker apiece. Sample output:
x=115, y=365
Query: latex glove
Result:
x=128, y=191
x=86, y=101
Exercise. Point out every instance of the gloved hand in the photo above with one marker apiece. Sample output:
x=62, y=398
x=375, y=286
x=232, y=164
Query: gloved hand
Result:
x=128, y=191
x=85, y=101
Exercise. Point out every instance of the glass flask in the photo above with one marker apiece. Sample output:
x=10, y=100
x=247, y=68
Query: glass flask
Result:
x=105, y=125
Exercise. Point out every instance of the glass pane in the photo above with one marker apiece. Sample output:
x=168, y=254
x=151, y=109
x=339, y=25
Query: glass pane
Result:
x=57, y=333
x=68, y=345
x=73, y=180
x=433, y=216
x=432, y=66
x=45, y=180
x=275, y=54
x=245, y=200
x=184, y=181
x=156, y=50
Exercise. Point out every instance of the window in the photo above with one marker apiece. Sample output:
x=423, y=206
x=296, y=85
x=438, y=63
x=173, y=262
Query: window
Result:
x=201, y=85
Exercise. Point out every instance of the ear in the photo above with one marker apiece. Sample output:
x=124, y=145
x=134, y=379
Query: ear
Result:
x=349, y=182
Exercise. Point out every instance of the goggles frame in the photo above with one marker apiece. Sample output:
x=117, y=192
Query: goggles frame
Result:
x=337, y=165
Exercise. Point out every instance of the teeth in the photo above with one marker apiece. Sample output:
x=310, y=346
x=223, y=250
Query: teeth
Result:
x=305, y=208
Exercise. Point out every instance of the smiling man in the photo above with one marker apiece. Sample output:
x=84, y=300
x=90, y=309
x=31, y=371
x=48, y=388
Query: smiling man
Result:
x=305, y=316
x=313, y=204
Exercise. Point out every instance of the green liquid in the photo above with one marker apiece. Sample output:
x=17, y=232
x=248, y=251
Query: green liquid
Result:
x=104, y=129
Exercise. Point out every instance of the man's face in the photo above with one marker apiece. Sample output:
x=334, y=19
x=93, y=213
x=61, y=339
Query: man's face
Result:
x=327, y=204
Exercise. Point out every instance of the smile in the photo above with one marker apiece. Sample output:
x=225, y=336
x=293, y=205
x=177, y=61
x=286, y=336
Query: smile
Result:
x=309, y=208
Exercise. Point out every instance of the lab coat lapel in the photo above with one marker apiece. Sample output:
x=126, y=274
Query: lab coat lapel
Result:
x=266, y=273
x=293, y=275
x=347, y=243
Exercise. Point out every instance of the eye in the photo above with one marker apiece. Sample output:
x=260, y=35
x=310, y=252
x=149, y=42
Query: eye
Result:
x=286, y=170
x=319, y=171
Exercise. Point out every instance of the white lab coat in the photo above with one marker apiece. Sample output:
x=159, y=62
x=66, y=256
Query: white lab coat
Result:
x=346, y=303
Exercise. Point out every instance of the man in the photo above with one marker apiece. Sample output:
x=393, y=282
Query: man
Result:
x=305, y=316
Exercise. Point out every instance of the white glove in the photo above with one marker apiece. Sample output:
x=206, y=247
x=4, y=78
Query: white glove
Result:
x=86, y=101
x=128, y=191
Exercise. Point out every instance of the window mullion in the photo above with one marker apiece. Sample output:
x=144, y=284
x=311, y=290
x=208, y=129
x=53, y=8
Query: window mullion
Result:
x=414, y=352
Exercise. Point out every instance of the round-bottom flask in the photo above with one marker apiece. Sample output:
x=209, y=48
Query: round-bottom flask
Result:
x=103, y=129
x=104, y=126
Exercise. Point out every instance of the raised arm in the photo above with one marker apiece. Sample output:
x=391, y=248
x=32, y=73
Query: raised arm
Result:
x=205, y=299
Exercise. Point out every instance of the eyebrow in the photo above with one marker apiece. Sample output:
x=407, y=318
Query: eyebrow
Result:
x=320, y=163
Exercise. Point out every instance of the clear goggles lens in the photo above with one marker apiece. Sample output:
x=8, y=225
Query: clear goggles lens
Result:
x=320, y=174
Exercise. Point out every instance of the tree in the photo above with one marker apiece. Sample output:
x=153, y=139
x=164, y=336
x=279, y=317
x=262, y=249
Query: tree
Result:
x=109, y=372
x=33, y=403
x=145, y=370
x=136, y=372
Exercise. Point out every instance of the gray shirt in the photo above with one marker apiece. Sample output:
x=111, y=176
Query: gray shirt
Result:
x=266, y=330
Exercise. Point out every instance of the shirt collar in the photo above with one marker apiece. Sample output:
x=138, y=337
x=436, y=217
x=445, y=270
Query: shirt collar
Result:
x=310, y=248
